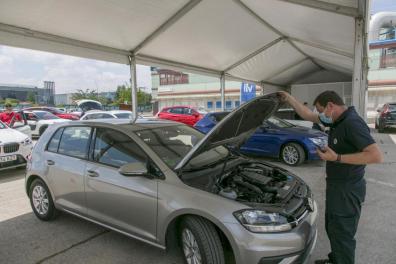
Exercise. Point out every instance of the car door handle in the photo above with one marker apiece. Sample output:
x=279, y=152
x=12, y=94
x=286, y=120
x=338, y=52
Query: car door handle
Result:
x=50, y=162
x=92, y=173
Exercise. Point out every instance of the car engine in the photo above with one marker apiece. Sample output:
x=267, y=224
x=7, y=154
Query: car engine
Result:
x=255, y=183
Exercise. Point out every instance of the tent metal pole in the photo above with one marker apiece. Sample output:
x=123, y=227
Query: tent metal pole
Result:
x=326, y=6
x=132, y=64
x=222, y=91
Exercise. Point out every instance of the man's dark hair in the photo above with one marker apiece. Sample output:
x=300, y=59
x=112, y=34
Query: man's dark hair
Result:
x=328, y=96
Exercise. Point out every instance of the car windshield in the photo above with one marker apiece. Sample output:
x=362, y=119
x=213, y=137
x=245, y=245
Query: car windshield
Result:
x=2, y=126
x=392, y=107
x=45, y=115
x=279, y=122
x=172, y=143
x=124, y=115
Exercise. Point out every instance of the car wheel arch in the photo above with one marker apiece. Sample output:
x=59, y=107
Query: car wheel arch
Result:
x=31, y=179
x=170, y=233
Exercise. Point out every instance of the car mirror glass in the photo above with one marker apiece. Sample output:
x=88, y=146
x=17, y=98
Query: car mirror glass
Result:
x=134, y=169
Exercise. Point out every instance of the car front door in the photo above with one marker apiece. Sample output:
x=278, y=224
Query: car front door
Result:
x=266, y=140
x=128, y=203
x=65, y=158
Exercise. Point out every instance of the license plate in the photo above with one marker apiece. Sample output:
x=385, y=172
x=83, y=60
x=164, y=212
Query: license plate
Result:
x=8, y=158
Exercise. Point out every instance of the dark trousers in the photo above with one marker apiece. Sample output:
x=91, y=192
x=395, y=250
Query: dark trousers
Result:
x=343, y=207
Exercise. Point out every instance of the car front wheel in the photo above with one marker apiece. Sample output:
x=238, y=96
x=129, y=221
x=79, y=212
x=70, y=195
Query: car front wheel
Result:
x=292, y=154
x=200, y=242
x=41, y=201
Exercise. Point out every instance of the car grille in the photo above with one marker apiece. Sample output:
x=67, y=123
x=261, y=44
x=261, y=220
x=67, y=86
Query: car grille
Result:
x=10, y=148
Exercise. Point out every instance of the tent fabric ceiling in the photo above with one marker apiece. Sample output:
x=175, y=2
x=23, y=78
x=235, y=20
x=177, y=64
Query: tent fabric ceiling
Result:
x=277, y=41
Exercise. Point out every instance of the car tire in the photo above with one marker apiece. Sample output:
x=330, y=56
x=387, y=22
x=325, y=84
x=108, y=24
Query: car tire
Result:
x=200, y=242
x=41, y=201
x=292, y=154
x=42, y=129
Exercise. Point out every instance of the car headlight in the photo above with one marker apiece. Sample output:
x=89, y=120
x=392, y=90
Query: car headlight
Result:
x=319, y=141
x=27, y=141
x=259, y=221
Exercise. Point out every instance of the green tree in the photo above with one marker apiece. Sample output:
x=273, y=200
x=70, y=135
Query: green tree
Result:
x=31, y=97
x=87, y=94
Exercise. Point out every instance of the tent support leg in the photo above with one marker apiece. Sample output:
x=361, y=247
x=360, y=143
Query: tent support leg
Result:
x=132, y=64
x=359, y=81
x=222, y=91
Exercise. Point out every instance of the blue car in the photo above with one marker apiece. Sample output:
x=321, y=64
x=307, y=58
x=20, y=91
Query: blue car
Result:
x=276, y=138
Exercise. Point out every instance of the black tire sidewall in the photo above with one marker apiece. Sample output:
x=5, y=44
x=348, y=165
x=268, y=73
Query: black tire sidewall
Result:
x=51, y=208
x=186, y=224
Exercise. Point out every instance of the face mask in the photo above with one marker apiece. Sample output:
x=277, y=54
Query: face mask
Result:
x=325, y=119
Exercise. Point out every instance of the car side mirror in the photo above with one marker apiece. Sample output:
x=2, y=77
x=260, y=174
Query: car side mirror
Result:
x=134, y=169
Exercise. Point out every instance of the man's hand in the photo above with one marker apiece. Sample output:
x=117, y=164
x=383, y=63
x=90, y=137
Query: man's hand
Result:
x=327, y=154
x=283, y=96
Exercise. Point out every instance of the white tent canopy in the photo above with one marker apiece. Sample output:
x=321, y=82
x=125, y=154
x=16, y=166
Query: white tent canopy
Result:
x=268, y=42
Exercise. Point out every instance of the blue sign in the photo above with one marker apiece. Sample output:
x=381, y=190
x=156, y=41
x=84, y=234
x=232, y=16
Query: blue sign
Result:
x=248, y=92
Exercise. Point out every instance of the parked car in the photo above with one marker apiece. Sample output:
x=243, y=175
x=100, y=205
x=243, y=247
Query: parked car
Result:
x=160, y=181
x=15, y=147
x=85, y=105
x=97, y=114
x=184, y=114
x=386, y=117
x=21, y=126
x=54, y=111
x=39, y=121
x=276, y=138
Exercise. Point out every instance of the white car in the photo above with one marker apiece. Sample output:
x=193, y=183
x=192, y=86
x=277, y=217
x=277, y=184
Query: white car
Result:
x=15, y=147
x=97, y=114
x=40, y=120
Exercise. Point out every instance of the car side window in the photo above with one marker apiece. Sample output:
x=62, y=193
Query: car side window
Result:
x=115, y=149
x=74, y=142
x=54, y=142
x=187, y=111
x=176, y=110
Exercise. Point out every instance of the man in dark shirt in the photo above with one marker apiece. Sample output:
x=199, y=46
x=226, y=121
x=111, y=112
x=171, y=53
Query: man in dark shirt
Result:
x=350, y=147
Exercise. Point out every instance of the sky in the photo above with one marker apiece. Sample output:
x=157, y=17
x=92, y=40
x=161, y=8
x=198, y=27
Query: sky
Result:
x=29, y=67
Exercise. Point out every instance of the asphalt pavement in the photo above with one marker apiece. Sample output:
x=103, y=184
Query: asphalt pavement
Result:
x=68, y=239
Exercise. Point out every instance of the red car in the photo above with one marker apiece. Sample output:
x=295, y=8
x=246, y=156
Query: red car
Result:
x=183, y=114
x=54, y=111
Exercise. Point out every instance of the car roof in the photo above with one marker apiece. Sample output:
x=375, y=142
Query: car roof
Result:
x=139, y=124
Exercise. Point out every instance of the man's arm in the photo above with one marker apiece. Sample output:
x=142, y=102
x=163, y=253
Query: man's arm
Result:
x=301, y=110
x=370, y=154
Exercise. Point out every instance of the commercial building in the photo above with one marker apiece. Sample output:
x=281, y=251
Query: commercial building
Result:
x=382, y=61
x=170, y=88
x=20, y=92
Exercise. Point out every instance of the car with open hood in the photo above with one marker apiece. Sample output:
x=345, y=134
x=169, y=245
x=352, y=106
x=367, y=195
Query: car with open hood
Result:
x=164, y=182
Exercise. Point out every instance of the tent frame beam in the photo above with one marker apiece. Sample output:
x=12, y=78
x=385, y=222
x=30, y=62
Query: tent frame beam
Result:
x=167, y=24
x=318, y=46
x=253, y=54
x=134, y=102
x=275, y=30
x=325, y=6
x=222, y=91
x=288, y=67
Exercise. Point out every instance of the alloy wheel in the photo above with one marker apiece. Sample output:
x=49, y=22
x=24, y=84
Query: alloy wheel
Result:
x=40, y=200
x=290, y=155
x=190, y=247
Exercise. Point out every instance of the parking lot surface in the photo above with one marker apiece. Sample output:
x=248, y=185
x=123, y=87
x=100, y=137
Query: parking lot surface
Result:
x=68, y=239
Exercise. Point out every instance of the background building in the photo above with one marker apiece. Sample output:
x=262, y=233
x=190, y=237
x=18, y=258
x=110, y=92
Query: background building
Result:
x=44, y=95
x=170, y=88
x=382, y=61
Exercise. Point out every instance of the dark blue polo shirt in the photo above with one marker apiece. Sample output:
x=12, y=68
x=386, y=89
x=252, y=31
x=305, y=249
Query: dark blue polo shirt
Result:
x=348, y=134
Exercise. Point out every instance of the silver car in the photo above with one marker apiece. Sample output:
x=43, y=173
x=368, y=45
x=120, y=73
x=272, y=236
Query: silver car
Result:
x=167, y=184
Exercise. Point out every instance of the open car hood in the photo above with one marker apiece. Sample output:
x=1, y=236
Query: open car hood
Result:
x=237, y=127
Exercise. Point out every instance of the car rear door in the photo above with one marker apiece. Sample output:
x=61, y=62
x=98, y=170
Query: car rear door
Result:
x=66, y=158
x=128, y=203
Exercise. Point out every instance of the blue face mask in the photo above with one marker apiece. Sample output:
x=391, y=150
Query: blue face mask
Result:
x=325, y=119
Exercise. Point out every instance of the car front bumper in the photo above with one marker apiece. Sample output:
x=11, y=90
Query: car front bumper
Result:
x=294, y=246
